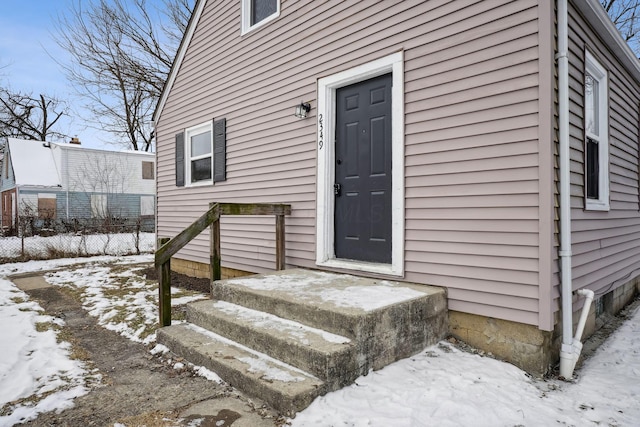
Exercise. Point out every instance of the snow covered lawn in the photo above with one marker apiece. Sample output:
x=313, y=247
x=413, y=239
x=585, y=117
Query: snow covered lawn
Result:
x=37, y=247
x=441, y=386
x=37, y=372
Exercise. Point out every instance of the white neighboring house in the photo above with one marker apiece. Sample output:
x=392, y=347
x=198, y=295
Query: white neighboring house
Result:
x=59, y=181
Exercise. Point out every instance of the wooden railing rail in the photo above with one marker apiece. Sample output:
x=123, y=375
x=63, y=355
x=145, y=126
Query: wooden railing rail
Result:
x=169, y=247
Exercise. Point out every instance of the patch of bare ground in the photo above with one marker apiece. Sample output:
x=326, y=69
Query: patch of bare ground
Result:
x=138, y=388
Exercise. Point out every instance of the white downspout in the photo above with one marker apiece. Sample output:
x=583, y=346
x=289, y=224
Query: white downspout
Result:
x=566, y=352
x=571, y=346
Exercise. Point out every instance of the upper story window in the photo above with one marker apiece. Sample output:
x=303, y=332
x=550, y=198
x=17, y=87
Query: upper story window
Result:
x=256, y=13
x=596, y=129
x=199, y=154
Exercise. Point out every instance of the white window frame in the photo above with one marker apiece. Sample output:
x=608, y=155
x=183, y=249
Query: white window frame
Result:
x=325, y=203
x=599, y=73
x=188, y=133
x=246, y=17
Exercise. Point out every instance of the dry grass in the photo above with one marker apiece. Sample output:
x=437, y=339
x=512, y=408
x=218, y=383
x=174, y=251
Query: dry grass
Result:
x=151, y=419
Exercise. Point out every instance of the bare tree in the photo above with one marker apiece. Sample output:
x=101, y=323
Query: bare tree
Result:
x=28, y=117
x=103, y=178
x=121, y=53
x=626, y=16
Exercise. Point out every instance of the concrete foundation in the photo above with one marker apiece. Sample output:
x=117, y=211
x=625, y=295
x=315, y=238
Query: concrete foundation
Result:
x=526, y=346
x=201, y=270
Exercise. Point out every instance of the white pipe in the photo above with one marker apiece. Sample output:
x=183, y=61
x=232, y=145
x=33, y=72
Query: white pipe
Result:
x=566, y=353
x=588, y=295
x=571, y=345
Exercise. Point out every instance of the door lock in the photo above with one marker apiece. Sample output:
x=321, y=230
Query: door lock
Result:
x=336, y=189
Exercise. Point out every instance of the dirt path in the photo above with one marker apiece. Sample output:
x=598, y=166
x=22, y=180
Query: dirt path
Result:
x=138, y=388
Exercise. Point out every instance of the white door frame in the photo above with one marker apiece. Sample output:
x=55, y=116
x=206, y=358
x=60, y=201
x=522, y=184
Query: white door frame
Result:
x=325, y=203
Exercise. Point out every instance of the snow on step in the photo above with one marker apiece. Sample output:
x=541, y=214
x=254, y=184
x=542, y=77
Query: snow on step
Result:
x=264, y=320
x=284, y=387
x=266, y=366
x=340, y=290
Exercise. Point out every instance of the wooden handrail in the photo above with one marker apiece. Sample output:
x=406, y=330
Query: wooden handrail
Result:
x=169, y=247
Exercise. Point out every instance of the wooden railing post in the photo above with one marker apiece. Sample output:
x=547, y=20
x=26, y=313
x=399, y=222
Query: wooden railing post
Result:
x=169, y=247
x=280, y=250
x=164, y=289
x=214, y=262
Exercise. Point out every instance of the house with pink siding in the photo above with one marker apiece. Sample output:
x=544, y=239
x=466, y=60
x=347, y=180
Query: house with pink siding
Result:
x=486, y=147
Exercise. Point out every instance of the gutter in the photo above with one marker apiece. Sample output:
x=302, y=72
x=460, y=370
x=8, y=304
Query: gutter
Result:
x=571, y=345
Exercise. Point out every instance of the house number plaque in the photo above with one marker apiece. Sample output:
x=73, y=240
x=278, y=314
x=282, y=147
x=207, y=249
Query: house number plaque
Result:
x=320, y=132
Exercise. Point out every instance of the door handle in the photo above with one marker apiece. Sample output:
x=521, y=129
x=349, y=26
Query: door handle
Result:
x=337, y=189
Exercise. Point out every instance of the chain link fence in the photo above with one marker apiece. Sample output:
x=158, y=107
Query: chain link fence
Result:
x=36, y=238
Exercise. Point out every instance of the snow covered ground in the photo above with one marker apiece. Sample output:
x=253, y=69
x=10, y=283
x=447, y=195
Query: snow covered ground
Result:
x=79, y=245
x=441, y=386
x=37, y=373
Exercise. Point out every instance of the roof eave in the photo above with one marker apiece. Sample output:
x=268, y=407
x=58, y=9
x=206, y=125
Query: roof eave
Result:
x=177, y=62
x=598, y=17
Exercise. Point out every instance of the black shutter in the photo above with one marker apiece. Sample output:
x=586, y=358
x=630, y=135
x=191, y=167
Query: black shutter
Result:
x=219, y=150
x=180, y=159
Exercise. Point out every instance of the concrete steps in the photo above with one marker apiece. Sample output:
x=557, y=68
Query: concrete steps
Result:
x=322, y=354
x=285, y=387
x=325, y=330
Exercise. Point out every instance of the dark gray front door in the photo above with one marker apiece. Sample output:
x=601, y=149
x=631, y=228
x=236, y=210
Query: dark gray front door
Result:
x=363, y=171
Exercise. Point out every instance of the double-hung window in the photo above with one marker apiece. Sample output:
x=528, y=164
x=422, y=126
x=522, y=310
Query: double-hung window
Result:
x=256, y=13
x=199, y=154
x=596, y=129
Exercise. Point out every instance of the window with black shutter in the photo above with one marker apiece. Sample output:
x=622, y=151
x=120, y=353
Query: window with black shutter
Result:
x=201, y=154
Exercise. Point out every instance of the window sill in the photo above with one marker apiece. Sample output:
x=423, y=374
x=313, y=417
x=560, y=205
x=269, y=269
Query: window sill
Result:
x=596, y=206
x=248, y=29
x=199, y=184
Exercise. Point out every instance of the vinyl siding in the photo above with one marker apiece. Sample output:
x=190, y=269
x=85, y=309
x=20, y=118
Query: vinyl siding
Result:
x=98, y=171
x=606, y=245
x=472, y=138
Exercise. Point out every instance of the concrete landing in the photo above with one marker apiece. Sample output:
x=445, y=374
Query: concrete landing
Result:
x=333, y=327
x=29, y=283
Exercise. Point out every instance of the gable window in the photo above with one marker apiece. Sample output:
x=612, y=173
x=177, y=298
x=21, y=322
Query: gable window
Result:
x=199, y=154
x=256, y=13
x=596, y=129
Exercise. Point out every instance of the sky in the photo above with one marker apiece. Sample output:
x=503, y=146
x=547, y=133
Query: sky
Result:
x=441, y=385
x=28, y=55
